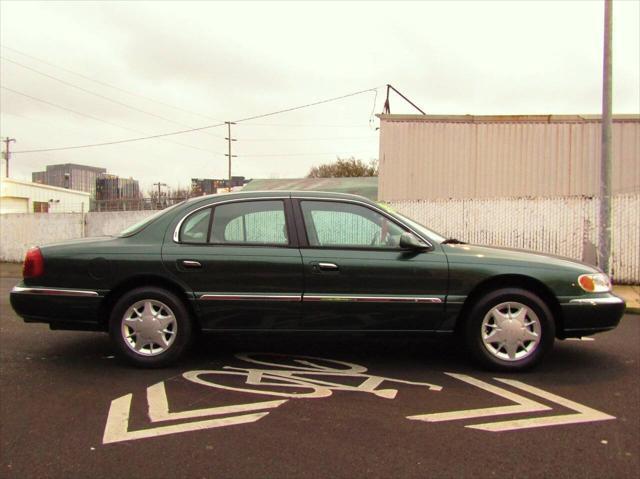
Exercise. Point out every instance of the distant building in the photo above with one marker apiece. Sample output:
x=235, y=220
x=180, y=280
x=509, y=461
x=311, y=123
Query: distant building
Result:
x=70, y=176
x=210, y=186
x=112, y=187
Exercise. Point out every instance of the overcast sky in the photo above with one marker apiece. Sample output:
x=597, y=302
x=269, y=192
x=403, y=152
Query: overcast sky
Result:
x=176, y=65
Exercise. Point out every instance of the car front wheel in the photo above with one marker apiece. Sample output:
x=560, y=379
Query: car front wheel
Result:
x=509, y=329
x=150, y=327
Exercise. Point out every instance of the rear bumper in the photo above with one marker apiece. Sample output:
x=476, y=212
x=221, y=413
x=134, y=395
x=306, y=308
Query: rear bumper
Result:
x=585, y=316
x=61, y=308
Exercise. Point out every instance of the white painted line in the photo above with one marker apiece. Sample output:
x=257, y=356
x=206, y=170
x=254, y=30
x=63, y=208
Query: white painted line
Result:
x=159, y=406
x=585, y=338
x=117, y=427
x=584, y=413
x=523, y=404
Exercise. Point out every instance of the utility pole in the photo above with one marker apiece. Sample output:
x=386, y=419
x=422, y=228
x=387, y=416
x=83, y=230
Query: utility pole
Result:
x=7, y=152
x=229, y=123
x=604, y=229
x=159, y=185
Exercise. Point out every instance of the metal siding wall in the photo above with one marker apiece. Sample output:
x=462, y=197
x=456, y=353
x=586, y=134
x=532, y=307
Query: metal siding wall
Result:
x=492, y=159
x=562, y=225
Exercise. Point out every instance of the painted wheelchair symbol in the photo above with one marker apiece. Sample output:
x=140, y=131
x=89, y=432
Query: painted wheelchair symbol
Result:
x=307, y=377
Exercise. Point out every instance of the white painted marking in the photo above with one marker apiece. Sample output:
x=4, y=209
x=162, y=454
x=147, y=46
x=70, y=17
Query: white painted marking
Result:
x=159, y=406
x=583, y=413
x=585, y=338
x=117, y=427
x=523, y=404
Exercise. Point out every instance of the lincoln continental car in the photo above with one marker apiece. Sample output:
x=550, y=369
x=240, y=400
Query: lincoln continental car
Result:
x=303, y=261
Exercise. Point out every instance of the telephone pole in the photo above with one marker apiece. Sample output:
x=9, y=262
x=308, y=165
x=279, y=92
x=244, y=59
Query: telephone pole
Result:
x=229, y=123
x=159, y=185
x=604, y=229
x=7, y=152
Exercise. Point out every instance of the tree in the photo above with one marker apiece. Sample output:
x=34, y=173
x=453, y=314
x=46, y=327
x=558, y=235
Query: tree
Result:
x=344, y=167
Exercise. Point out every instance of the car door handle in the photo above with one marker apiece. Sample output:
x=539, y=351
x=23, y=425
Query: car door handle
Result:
x=328, y=267
x=187, y=263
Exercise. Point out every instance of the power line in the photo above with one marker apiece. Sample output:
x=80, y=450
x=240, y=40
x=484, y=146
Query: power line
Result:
x=312, y=139
x=265, y=115
x=303, y=154
x=42, y=150
x=99, y=82
x=307, y=125
x=90, y=92
x=320, y=102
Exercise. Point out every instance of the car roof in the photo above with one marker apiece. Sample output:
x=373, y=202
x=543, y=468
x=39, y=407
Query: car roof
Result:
x=280, y=194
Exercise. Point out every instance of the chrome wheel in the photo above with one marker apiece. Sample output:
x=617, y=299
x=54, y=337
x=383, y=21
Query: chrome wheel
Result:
x=511, y=331
x=149, y=327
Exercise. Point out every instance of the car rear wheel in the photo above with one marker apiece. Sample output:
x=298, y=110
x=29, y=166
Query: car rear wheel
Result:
x=150, y=327
x=509, y=329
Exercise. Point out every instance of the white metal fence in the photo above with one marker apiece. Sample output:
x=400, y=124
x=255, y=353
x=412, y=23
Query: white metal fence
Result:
x=565, y=226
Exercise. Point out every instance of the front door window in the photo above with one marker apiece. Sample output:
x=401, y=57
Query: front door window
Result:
x=333, y=224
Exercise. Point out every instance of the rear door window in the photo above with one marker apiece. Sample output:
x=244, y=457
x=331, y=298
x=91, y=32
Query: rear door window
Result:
x=251, y=223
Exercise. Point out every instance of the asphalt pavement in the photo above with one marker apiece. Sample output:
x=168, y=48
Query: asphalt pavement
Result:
x=314, y=407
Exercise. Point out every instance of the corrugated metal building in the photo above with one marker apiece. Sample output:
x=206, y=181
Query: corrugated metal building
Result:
x=434, y=157
x=70, y=176
x=516, y=181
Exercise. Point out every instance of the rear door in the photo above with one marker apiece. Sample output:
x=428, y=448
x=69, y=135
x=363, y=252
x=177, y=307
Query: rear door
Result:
x=357, y=277
x=241, y=260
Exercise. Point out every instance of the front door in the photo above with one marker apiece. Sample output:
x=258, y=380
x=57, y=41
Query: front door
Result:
x=242, y=264
x=358, y=278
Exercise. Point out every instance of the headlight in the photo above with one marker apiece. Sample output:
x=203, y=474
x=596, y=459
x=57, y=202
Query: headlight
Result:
x=595, y=283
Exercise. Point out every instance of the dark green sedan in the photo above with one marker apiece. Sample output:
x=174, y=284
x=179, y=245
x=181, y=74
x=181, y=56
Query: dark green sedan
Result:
x=304, y=261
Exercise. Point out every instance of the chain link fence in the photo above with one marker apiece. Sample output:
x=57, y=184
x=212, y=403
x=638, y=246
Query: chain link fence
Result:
x=135, y=204
x=564, y=226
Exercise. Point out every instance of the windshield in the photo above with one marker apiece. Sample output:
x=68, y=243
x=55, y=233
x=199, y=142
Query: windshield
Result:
x=140, y=225
x=414, y=224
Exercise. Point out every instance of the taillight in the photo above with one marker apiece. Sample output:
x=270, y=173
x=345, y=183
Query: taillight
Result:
x=33, y=264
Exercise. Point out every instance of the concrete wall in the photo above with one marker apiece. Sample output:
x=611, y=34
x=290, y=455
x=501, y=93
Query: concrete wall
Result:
x=113, y=222
x=18, y=232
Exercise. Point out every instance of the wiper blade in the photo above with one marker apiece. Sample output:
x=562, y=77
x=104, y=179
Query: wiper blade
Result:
x=453, y=241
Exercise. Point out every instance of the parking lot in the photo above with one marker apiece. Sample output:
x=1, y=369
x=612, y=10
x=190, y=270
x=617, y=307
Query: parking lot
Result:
x=310, y=406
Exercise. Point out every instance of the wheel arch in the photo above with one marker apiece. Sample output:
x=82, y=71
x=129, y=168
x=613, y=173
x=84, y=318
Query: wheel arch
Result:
x=139, y=281
x=513, y=281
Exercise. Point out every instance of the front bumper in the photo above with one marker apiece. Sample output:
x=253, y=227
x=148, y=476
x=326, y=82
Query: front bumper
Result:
x=61, y=308
x=590, y=315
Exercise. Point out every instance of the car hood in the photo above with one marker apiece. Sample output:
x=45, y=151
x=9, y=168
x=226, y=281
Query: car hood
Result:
x=476, y=254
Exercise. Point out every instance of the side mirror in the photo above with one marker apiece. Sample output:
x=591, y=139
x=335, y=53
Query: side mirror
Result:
x=410, y=241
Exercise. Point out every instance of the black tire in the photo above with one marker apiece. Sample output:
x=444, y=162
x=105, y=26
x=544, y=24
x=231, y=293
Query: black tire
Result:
x=495, y=356
x=179, y=331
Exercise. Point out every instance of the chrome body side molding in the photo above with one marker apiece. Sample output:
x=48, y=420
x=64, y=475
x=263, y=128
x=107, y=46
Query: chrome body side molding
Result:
x=596, y=301
x=353, y=298
x=357, y=298
x=54, y=292
x=294, y=298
